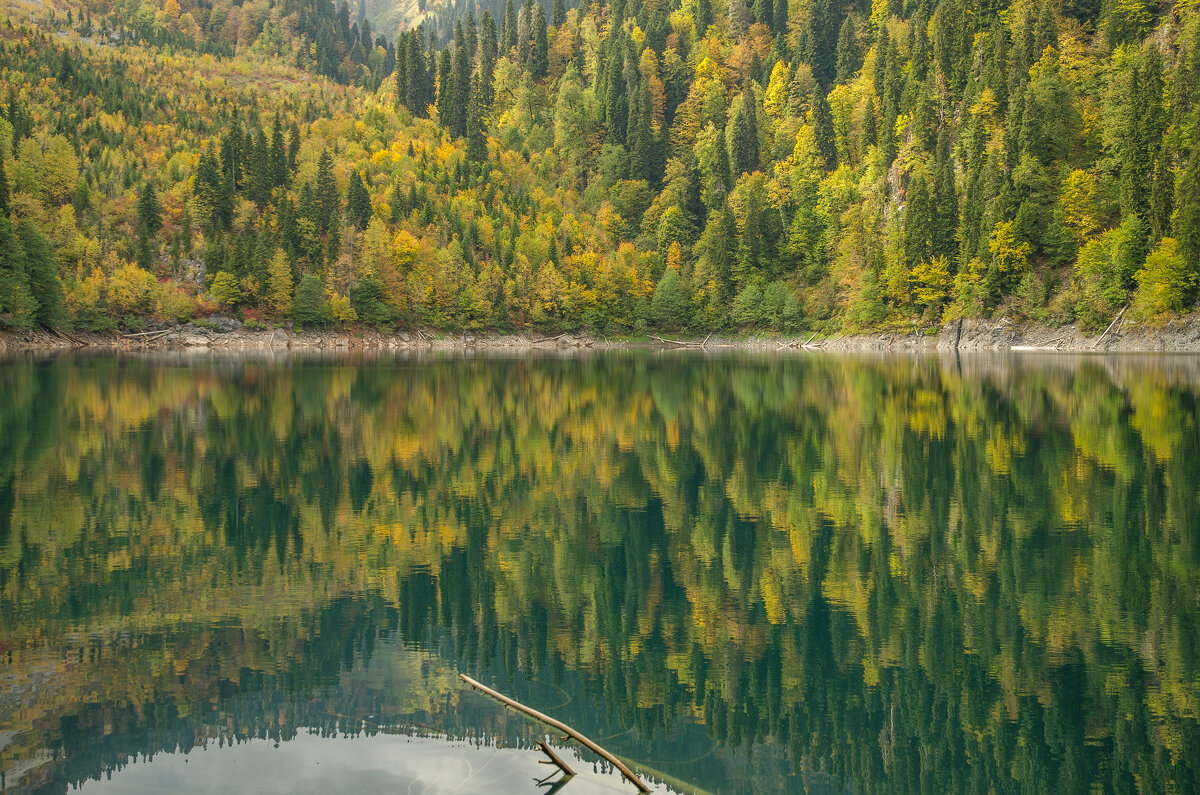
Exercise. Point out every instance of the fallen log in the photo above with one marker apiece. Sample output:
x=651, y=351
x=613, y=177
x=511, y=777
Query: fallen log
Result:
x=683, y=343
x=1116, y=320
x=564, y=728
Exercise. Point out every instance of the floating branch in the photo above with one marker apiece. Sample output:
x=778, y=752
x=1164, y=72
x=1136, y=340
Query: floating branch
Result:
x=555, y=758
x=564, y=728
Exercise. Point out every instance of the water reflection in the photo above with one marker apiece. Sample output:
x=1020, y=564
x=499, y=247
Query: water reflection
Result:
x=744, y=572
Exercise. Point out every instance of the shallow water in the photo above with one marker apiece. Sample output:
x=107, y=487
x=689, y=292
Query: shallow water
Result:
x=742, y=573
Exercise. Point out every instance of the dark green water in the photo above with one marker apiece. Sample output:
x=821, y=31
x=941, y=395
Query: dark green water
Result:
x=747, y=573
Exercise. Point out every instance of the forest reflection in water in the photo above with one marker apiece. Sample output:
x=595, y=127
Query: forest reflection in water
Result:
x=746, y=572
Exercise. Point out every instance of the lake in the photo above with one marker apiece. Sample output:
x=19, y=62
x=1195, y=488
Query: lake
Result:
x=741, y=572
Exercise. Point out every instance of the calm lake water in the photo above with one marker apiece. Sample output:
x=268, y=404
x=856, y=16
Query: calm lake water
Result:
x=742, y=573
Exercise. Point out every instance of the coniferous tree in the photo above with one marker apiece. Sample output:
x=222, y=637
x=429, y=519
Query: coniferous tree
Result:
x=476, y=135
x=945, y=200
x=822, y=118
x=918, y=222
x=445, y=91
x=327, y=198
x=1187, y=220
x=848, y=56
x=703, y=16
x=558, y=14
x=4, y=194
x=358, y=201
x=540, y=58
x=460, y=86
x=508, y=28
x=43, y=279
x=739, y=18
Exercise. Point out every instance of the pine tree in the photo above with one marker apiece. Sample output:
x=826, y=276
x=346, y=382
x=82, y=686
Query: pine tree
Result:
x=704, y=16
x=739, y=18
x=476, y=135
x=310, y=308
x=558, y=14
x=43, y=278
x=945, y=200
x=358, y=201
x=508, y=28
x=822, y=119
x=401, y=70
x=4, y=194
x=540, y=59
x=327, y=198
x=149, y=211
x=487, y=61
x=460, y=85
x=445, y=92
x=1187, y=219
x=781, y=21
x=918, y=222
x=848, y=56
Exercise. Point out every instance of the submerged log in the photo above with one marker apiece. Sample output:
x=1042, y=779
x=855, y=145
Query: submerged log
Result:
x=564, y=728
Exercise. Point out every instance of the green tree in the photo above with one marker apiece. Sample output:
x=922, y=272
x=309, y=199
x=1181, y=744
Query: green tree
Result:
x=358, y=201
x=310, y=308
x=670, y=306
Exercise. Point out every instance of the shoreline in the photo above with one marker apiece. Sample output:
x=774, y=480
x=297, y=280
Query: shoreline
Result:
x=1180, y=335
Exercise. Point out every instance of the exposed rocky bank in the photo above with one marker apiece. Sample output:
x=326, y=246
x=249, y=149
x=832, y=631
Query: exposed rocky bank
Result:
x=1181, y=335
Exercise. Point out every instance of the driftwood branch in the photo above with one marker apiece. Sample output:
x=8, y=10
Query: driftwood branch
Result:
x=147, y=333
x=1115, y=321
x=562, y=727
x=550, y=339
x=555, y=759
x=681, y=343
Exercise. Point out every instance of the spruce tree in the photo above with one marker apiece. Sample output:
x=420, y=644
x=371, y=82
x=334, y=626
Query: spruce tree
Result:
x=445, y=92
x=918, y=222
x=945, y=200
x=822, y=119
x=358, y=201
x=558, y=14
x=460, y=85
x=540, y=59
x=149, y=210
x=848, y=56
x=43, y=277
x=327, y=199
x=401, y=71
x=4, y=194
x=508, y=28
x=1187, y=219
x=476, y=135
x=702, y=16
x=739, y=18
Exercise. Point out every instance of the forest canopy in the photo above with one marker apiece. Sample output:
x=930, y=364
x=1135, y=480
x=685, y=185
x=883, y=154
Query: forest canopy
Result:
x=641, y=164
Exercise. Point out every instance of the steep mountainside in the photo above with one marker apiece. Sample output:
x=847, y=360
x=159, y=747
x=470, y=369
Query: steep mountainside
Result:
x=617, y=167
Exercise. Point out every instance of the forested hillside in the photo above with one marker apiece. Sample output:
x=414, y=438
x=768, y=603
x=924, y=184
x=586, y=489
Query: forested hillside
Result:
x=616, y=167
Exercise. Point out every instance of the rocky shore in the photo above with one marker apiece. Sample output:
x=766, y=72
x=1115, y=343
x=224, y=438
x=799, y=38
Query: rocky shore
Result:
x=1181, y=335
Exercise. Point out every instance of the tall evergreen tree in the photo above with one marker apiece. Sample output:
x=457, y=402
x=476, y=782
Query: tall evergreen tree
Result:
x=445, y=91
x=540, y=59
x=822, y=119
x=848, y=56
x=918, y=222
x=476, y=135
x=558, y=14
x=508, y=28
x=358, y=201
x=327, y=198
